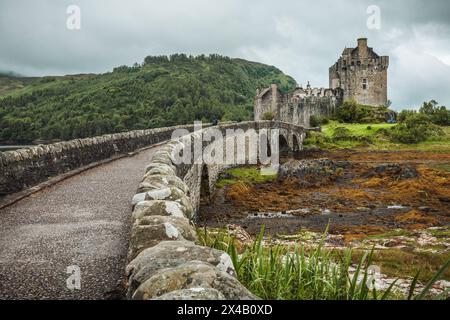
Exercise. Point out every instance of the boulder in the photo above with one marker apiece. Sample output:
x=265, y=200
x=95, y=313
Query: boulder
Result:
x=152, y=182
x=162, y=157
x=172, y=194
x=160, y=208
x=192, y=294
x=310, y=172
x=393, y=170
x=168, y=254
x=192, y=275
x=160, y=168
x=138, y=197
x=151, y=230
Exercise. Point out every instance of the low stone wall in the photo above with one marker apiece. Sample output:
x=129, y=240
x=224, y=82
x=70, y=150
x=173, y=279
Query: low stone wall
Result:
x=27, y=167
x=164, y=258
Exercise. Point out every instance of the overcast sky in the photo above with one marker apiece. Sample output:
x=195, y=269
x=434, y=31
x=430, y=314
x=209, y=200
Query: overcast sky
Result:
x=302, y=38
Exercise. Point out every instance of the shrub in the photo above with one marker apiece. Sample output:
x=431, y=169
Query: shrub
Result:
x=404, y=114
x=316, y=139
x=416, y=128
x=437, y=114
x=353, y=112
x=317, y=121
x=268, y=116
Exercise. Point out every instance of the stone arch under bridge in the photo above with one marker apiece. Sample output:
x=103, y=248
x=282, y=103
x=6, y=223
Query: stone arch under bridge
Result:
x=290, y=136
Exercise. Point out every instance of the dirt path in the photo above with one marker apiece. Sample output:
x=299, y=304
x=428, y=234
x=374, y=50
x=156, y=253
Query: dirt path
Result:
x=82, y=221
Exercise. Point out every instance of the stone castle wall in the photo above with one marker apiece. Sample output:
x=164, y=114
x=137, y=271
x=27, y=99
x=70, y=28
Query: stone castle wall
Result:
x=361, y=74
x=298, y=106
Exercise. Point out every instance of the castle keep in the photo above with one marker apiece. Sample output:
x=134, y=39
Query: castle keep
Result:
x=359, y=74
x=362, y=75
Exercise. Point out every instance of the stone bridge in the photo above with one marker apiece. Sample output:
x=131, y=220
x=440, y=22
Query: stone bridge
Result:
x=65, y=211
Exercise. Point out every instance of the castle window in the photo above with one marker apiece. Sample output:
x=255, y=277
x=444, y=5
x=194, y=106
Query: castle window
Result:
x=364, y=84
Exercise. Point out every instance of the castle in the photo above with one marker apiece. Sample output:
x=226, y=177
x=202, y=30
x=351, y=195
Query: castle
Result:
x=359, y=74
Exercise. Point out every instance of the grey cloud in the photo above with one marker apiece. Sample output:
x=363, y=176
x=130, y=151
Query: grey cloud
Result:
x=303, y=38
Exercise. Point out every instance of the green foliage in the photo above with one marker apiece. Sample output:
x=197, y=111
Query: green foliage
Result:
x=246, y=175
x=376, y=138
x=162, y=91
x=297, y=273
x=416, y=128
x=404, y=114
x=352, y=112
x=268, y=116
x=317, y=139
x=317, y=121
x=438, y=114
x=342, y=133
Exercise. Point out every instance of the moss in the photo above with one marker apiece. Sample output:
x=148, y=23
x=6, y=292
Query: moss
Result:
x=247, y=175
x=440, y=233
x=404, y=263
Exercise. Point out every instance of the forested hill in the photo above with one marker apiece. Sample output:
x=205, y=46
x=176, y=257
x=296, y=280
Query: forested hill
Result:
x=162, y=91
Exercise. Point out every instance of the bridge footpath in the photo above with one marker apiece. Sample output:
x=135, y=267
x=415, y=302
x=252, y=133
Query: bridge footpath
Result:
x=83, y=221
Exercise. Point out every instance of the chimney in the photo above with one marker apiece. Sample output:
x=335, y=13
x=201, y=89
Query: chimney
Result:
x=362, y=42
x=362, y=48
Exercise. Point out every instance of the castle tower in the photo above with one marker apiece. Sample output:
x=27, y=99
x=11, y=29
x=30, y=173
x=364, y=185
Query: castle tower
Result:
x=361, y=74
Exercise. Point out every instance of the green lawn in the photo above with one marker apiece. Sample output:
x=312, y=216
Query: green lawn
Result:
x=358, y=129
x=438, y=144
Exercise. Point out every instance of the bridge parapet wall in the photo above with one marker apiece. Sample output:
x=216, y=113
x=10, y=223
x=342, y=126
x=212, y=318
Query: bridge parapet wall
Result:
x=165, y=258
x=27, y=167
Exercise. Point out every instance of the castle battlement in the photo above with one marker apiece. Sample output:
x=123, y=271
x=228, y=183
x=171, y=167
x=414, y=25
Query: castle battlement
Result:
x=359, y=74
x=297, y=106
x=362, y=74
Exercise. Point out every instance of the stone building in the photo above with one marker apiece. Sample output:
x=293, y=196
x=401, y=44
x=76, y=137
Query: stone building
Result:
x=297, y=106
x=359, y=74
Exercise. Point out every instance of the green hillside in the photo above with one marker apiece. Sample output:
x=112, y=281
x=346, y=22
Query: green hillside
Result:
x=162, y=91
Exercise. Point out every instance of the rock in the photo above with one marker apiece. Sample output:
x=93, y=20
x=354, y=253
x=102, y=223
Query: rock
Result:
x=169, y=254
x=393, y=170
x=190, y=275
x=192, y=294
x=239, y=233
x=160, y=208
x=172, y=194
x=309, y=172
x=139, y=197
x=162, y=157
x=159, y=181
x=151, y=230
x=160, y=168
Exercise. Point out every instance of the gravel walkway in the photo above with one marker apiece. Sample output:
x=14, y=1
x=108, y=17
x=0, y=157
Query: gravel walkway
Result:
x=83, y=221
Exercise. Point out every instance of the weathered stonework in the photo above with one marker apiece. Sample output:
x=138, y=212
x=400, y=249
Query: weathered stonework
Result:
x=164, y=260
x=359, y=74
x=298, y=106
x=27, y=167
